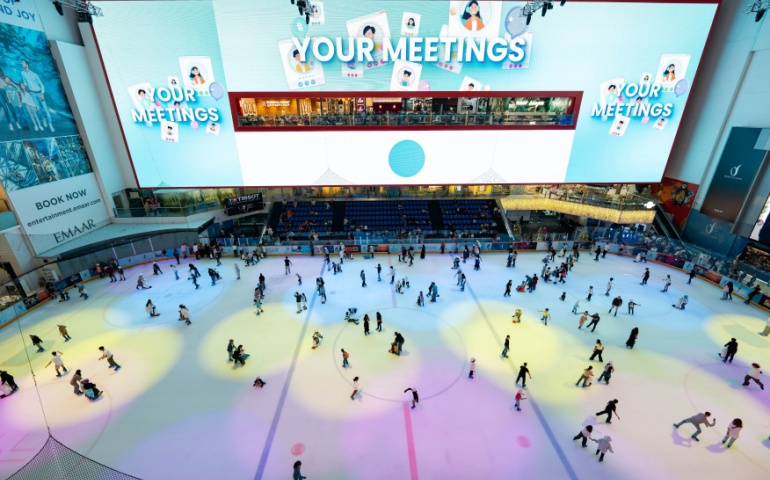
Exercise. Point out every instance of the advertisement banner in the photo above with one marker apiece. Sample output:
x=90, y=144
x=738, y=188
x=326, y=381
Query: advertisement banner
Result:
x=735, y=173
x=675, y=197
x=55, y=213
x=172, y=101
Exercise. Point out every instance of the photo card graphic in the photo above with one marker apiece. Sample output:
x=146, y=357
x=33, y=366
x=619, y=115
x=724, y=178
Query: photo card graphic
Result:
x=405, y=76
x=671, y=69
x=141, y=95
x=474, y=19
x=300, y=73
x=619, y=125
x=375, y=27
x=169, y=131
x=660, y=124
x=470, y=85
x=197, y=73
x=609, y=91
x=410, y=24
x=317, y=13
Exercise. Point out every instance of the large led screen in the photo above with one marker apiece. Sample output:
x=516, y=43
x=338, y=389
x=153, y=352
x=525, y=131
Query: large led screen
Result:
x=177, y=70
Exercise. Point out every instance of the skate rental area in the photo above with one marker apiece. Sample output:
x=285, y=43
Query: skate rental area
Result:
x=384, y=239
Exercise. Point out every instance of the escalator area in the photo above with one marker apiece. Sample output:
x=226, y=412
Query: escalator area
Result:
x=663, y=224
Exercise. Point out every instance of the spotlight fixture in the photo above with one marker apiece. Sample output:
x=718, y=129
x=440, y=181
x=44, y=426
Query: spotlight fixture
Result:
x=543, y=5
x=758, y=8
x=81, y=6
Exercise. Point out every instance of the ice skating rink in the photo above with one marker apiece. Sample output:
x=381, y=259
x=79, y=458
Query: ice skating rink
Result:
x=177, y=409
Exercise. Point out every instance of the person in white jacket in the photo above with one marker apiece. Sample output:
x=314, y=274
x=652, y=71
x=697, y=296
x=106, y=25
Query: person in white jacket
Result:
x=603, y=446
x=733, y=432
x=766, y=331
x=585, y=434
x=753, y=374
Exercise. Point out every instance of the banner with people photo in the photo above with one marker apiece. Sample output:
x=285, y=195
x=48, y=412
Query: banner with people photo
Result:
x=40, y=140
x=676, y=197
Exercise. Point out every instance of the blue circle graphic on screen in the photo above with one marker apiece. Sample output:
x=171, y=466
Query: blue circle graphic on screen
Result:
x=406, y=158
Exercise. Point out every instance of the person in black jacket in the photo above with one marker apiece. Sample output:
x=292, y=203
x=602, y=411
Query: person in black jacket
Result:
x=645, y=277
x=611, y=408
x=415, y=397
x=732, y=349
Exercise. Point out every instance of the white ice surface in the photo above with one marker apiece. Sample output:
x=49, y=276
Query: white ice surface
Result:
x=178, y=409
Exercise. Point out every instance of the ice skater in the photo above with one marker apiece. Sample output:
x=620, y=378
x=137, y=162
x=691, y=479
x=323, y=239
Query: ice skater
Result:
x=366, y=325
x=603, y=445
x=304, y=301
x=298, y=299
x=77, y=377
x=415, y=396
x=508, y=288
x=517, y=316
x=697, y=420
x=733, y=432
x=379, y=322
x=585, y=435
x=345, y=356
x=666, y=283
x=609, y=409
x=238, y=356
x=472, y=368
x=176, y=272
x=617, y=302
x=523, y=372
x=598, y=349
x=631, y=305
x=582, y=320
x=609, y=287
x=317, y=337
x=607, y=373
x=7, y=379
x=363, y=278
x=141, y=283
x=299, y=279
x=110, y=359
x=729, y=351
x=590, y=293
x=287, y=265
x=506, y=346
x=586, y=377
x=230, y=350
x=632, y=338
x=519, y=397
x=150, y=309
x=546, y=316
x=237, y=271
x=184, y=315
x=691, y=276
x=645, y=276
x=594, y=321
x=355, y=388
x=379, y=272
x=392, y=274
x=752, y=374
x=63, y=332
x=258, y=382
x=58, y=363
x=575, y=307
x=37, y=342
x=90, y=390
x=82, y=291
x=681, y=303
x=156, y=269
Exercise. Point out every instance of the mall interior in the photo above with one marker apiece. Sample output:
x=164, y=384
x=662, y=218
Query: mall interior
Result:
x=144, y=143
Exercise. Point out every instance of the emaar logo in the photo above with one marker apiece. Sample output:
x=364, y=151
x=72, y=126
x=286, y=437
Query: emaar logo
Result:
x=710, y=229
x=734, y=173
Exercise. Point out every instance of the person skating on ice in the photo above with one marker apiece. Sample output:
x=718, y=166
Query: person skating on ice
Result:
x=82, y=291
x=363, y=278
x=697, y=420
x=594, y=321
x=729, y=351
x=631, y=305
x=603, y=446
x=297, y=474
x=681, y=302
x=523, y=372
x=366, y=325
x=392, y=273
x=184, y=314
x=37, y=342
x=141, y=284
x=632, y=337
x=617, y=302
x=589, y=293
x=379, y=272
x=156, y=269
x=349, y=315
x=517, y=316
x=379, y=322
x=298, y=300
x=238, y=356
x=472, y=368
x=583, y=319
x=317, y=337
x=7, y=379
x=110, y=359
x=519, y=397
x=304, y=300
x=666, y=283
x=508, y=288
x=645, y=276
x=90, y=390
x=766, y=331
x=506, y=346
x=176, y=272
x=609, y=409
x=258, y=382
x=575, y=307
x=752, y=374
x=546, y=316
x=415, y=396
x=345, y=356
x=692, y=275
x=598, y=349
x=733, y=432
x=585, y=435
x=63, y=332
x=150, y=309
x=607, y=373
x=58, y=363
x=563, y=296
x=230, y=350
x=598, y=252
x=609, y=287
x=355, y=388
x=299, y=279
x=586, y=377
x=75, y=381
